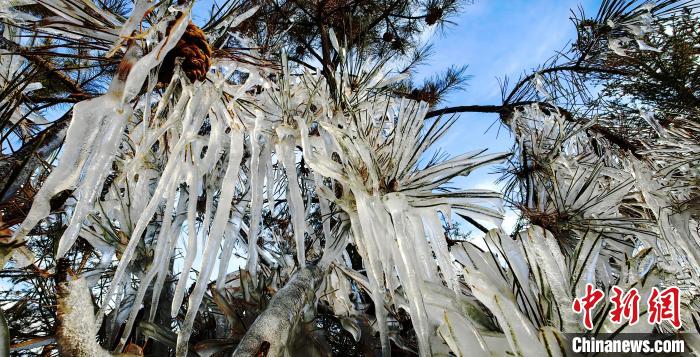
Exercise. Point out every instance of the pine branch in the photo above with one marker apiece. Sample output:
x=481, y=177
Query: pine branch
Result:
x=18, y=167
x=563, y=68
x=51, y=71
x=467, y=109
x=618, y=140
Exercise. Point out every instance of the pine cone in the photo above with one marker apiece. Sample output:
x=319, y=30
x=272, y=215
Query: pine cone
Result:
x=433, y=16
x=388, y=36
x=196, y=53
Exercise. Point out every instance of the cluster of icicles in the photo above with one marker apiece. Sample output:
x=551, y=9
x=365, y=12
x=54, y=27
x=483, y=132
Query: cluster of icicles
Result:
x=163, y=160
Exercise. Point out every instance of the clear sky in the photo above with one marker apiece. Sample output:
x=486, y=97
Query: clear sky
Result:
x=497, y=38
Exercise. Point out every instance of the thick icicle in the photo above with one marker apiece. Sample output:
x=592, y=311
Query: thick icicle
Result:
x=375, y=272
x=77, y=151
x=406, y=264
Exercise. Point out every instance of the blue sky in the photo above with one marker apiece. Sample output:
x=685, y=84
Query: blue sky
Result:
x=497, y=38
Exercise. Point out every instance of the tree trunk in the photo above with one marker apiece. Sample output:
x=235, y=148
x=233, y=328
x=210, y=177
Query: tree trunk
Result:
x=270, y=333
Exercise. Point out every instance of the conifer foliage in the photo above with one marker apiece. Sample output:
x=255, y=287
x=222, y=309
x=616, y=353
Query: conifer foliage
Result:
x=267, y=182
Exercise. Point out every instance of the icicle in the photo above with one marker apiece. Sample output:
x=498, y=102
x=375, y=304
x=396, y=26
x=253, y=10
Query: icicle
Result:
x=544, y=254
x=427, y=270
x=205, y=165
x=406, y=263
x=616, y=45
x=208, y=209
x=232, y=22
x=81, y=153
x=178, y=295
x=375, y=276
x=258, y=141
x=649, y=117
x=521, y=335
x=230, y=239
x=228, y=189
x=643, y=46
x=334, y=40
x=117, y=317
x=97, y=169
x=131, y=25
x=142, y=68
x=323, y=165
x=270, y=185
x=172, y=237
x=92, y=277
x=464, y=340
x=159, y=252
x=540, y=87
x=165, y=184
x=435, y=233
x=329, y=252
x=286, y=152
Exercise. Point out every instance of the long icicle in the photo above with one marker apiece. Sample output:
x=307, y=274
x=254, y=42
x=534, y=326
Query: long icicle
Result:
x=228, y=190
x=193, y=184
x=285, y=151
x=257, y=169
